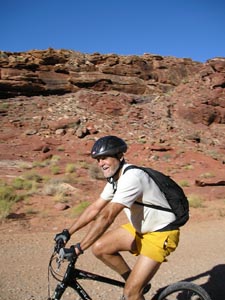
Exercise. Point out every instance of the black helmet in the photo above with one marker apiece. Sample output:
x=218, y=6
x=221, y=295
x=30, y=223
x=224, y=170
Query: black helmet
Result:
x=108, y=146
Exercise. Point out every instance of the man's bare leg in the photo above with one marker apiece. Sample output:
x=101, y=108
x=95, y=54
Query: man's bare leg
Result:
x=142, y=273
x=107, y=249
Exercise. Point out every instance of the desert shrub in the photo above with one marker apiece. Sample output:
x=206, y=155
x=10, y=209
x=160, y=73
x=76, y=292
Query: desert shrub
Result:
x=195, y=201
x=41, y=164
x=32, y=176
x=77, y=210
x=207, y=175
x=83, y=164
x=184, y=183
x=8, y=193
x=55, y=159
x=5, y=208
x=61, y=197
x=55, y=187
x=71, y=178
x=188, y=167
x=28, y=182
x=51, y=188
x=21, y=184
x=70, y=168
x=8, y=198
x=55, y=169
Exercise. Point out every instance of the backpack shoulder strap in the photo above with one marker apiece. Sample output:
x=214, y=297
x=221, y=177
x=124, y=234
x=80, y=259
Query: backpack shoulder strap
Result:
x=150, y=173
x=145, y=204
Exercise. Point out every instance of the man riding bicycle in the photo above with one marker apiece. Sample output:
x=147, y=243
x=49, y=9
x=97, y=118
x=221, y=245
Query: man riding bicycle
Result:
x=144, y=235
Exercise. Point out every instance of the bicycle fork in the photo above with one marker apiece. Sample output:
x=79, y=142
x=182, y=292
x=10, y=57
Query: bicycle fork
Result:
x=70, y=281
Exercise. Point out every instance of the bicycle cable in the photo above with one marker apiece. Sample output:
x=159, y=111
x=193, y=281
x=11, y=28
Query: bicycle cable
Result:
x=51, y=271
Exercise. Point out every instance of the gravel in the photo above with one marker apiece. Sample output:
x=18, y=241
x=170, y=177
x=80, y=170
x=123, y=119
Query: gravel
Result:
x=199, y=258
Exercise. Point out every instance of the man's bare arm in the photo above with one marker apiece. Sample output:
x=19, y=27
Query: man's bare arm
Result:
x=88, y=215
x=101, y=224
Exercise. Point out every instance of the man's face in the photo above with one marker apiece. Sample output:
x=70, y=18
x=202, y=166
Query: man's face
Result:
x=108, y=165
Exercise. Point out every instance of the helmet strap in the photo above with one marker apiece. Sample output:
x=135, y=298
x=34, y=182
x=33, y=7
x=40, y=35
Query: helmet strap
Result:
x=111, y=179
x=113, y=182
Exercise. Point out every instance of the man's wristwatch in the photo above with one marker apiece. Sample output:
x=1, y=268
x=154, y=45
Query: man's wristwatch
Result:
x=77, y=246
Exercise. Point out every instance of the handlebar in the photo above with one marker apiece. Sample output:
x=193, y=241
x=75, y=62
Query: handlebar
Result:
x=57, y=259
x=58, y=245
x=58, y=256
x=61, y=253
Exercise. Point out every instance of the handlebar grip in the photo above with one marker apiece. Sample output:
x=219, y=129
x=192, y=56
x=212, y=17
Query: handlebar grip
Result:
x=68, y=253
x=58, y=245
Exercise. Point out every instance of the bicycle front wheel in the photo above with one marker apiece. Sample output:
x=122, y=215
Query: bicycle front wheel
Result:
x=184, y=291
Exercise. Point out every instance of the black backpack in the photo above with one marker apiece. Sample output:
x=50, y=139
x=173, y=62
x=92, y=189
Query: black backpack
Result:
x=174, y=194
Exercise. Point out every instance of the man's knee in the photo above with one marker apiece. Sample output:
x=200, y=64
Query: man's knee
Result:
x=97, y=249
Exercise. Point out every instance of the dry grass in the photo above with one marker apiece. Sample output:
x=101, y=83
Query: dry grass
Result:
x=8, y=197
x=195, y=201
x=77, y=210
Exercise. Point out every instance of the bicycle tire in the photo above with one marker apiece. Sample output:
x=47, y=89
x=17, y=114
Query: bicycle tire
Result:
x=184, y=290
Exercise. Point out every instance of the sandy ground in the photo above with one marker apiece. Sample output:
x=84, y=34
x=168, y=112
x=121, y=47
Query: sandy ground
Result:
x=199, y=258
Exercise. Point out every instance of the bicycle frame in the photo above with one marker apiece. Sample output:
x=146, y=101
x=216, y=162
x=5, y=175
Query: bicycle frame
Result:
x=72, y=274
x=70, y=280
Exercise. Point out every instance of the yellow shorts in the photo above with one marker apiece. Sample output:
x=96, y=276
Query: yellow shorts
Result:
x=155, y=245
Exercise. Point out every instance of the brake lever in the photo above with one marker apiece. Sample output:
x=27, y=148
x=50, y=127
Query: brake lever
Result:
x=59, y=262
x=58, y=245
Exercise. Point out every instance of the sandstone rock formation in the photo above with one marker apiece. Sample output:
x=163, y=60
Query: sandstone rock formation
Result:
x=150, y=98
x=61, y=71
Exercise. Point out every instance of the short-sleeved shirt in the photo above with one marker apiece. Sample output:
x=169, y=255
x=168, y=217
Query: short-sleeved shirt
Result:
x=136, y=185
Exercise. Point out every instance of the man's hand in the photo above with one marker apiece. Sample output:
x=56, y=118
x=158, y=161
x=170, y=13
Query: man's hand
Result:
x=61, y=239
x=68, y=254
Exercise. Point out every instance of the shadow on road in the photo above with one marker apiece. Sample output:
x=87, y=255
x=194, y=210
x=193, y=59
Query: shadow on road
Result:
x=215, y=286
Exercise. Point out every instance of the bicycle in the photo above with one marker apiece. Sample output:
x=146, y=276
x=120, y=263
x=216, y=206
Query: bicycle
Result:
x=181, y=290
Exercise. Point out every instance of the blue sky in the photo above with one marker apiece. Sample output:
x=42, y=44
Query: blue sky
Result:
x=181, y=28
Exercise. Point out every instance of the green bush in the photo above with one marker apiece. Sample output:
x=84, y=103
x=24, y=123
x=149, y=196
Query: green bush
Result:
x=5, y=208
x=70, y=168
x=33, y=177
x=8, y=198
x=184, y=183
x=7, y=193
x=77, y=210
x=195, y=201
x=55, y=170
x=21, y=184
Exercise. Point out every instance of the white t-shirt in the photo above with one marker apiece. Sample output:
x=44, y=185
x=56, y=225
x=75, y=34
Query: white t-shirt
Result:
x=136, y=185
